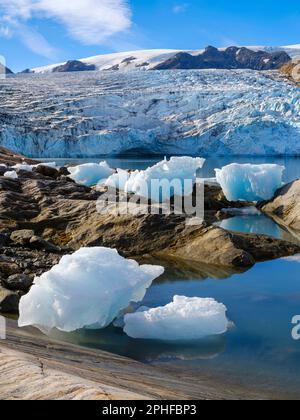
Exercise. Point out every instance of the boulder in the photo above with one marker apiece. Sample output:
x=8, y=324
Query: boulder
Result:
x=39, y=243
x=22, y=237
x=9, y=301
x=48, y=171
x=18, y=282
x=285, y=205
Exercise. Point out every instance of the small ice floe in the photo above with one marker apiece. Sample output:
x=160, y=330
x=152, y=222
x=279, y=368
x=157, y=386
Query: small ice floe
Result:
x=87, y=289
x=29, y=168
x=11, y=174
x=23, y=167
x=184, y=319
x=90, y=174
x=243, y=211
x=249, y=182
x=180, y=171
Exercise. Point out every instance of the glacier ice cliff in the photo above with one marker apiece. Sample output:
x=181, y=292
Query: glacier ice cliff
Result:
x=201, y=112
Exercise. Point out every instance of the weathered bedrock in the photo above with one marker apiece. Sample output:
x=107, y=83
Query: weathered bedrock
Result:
x=285, y=205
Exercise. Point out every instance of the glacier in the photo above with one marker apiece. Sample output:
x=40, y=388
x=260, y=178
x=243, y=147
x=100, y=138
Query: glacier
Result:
x=199, y=113
x=247, y=182
x=86, y=289
x=184, y=319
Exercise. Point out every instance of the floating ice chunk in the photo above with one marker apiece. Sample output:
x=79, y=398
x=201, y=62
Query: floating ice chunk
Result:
x=29, y=168
x=250, y=182
x=23, y=167
x=86, y=289
x=154, y=182
x=11, y=174
x=184, y=319
x=118, y=180
x=90, y=173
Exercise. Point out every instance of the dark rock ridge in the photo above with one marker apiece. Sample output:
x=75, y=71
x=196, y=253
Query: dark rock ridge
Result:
x=74, y=65
x=5, y=70
x=231, y=58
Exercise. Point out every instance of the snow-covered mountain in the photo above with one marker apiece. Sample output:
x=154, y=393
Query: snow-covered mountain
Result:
x=200, y=112
x=149, y=59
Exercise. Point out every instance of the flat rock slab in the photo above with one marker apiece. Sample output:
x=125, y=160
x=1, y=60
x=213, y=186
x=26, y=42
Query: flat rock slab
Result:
x=33, y=366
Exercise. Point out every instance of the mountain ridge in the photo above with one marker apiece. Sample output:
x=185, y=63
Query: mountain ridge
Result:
x=149, y=59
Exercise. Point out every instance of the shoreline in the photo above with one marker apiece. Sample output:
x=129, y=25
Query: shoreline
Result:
x=33, y=366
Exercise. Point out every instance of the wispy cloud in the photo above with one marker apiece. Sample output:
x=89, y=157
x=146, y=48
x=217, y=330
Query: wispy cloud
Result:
x=180, y=8
x=90, y=22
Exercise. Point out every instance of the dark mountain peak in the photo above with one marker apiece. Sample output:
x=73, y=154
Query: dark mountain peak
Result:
x=231, y=58
x=210, y=49
x=74, y=65
x=5, y=70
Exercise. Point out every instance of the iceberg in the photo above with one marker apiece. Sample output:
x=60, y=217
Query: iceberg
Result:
x=155, y=182
x=23, y=167
x=249, y=182
x=118, y=180
x=90, y=174
x=87, y=289
x=29, y=168
x=11, y=174
x=184, y=319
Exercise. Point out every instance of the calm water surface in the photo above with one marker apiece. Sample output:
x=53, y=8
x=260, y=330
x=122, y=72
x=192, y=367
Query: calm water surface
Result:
x=258, y=352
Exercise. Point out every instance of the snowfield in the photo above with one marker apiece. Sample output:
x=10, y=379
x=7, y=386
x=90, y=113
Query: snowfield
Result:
x=196, y=112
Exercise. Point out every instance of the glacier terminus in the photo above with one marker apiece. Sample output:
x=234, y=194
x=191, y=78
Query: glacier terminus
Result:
x=195, y=112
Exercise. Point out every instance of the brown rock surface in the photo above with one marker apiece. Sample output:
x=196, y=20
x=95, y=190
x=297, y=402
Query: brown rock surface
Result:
x=65, y=214
x=10, y=158
x=286, y=205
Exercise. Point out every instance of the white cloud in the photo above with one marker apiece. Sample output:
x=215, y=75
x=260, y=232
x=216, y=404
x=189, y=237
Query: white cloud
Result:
x=88, y=21
x=180, y=8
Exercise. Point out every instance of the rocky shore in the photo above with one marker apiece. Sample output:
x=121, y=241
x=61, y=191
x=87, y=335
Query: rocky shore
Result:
x=44, y=214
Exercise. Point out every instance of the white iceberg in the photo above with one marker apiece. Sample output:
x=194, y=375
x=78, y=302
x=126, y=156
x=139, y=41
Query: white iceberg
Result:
x=29, y=168
x=11, y=174
x=23, y=167
x=87, y=289
x=90, y=173
x=184, y=319
x=249, y=182
x=118, y=180
x=155, y=182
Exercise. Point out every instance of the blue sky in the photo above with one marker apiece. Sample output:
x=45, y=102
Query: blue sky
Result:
x=39, y=32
